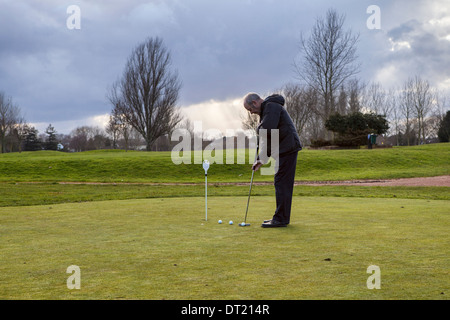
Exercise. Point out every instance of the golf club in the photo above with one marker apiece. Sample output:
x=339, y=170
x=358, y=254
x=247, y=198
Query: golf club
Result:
x=245, y=224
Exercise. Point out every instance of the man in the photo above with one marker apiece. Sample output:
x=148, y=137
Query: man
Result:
x=274, y=116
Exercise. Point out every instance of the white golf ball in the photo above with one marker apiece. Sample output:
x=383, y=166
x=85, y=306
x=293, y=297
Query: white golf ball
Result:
x=231, y=222
x=243, y=224
x=220, y=221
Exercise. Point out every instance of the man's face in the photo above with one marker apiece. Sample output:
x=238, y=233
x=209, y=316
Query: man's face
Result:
x=254, y=107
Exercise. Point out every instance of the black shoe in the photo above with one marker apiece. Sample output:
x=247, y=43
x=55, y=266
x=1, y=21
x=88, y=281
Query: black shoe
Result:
x=273, y=224
x=267, y=221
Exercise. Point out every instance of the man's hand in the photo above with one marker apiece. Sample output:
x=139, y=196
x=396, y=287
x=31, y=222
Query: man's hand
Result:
x=258, y=164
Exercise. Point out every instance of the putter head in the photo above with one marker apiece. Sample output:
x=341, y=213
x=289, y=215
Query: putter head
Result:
x=244, y=224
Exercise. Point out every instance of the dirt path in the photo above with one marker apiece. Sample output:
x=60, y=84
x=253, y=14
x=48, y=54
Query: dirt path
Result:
x=440, y=181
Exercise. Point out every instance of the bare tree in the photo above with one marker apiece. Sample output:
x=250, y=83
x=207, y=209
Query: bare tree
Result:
x=147, y=93
x=249, y=121
x=9, y=116
x=406, y=103
x=393, y=100
x=438, y=112
x=423, y=97
x=20, y=129
x=329, y=57
x=417, y=101
x=355, y=91
x=113, y=129
x=118, y=126
x=301, y=102
x=188, y=125
x=342, y=102
x=375, y=99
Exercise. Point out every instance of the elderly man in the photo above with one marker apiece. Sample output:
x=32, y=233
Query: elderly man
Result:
x=274, y=116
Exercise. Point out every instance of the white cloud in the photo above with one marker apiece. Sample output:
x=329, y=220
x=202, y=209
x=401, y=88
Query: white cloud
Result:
x=213, y=114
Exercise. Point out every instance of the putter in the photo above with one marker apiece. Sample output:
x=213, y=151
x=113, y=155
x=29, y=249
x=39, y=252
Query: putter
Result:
x=250, y=191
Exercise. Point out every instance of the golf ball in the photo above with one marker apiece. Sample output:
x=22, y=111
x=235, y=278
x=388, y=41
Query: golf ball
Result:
x=231, y=222
x=220, y=221
x=243, y=224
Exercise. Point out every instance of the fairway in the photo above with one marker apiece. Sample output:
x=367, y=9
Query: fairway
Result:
x=163, y=249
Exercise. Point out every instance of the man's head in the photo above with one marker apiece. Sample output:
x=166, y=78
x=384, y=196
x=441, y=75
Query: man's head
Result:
x=252, y=102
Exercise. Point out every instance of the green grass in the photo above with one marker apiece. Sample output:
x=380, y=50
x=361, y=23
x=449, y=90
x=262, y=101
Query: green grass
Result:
x=163, y=249
x=146, y=241
x=27, y=194
x=119, y=166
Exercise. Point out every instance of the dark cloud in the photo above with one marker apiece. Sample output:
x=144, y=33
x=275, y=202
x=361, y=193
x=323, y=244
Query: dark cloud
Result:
x=420, y=48
x=221, y=49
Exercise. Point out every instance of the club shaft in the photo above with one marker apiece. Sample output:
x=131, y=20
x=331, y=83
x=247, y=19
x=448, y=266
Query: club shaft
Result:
x=249, y=193
x=251, y=181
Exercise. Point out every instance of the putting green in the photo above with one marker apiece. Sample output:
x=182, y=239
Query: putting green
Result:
x=163, y=249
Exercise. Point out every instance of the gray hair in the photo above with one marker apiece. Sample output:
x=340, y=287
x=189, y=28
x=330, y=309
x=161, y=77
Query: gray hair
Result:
x=250, y=97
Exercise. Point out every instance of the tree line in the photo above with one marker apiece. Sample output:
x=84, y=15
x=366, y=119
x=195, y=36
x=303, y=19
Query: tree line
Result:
x=325, y=96
x=328, y=90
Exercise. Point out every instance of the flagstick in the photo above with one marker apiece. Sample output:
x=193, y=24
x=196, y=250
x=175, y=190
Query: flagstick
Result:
x=206, y=167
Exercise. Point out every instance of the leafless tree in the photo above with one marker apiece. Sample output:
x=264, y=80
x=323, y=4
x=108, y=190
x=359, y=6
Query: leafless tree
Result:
x=375, y=99
x=438, y=112
x=329, y=59
x=118, y=126
x=395, y=119
x=9, y=116
x=113, y=129
x=423, y=96
x=301, y=103
x=417, y=102
x=19, y=131
x=147, y=93
x=188, y=125
x=355, y=91
x=342, y=101
x=249, y=121
x=406, y=104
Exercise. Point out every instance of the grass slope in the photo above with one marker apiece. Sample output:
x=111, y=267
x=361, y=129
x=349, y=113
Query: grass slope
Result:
x=119, y=166
x=163, y=249
x=26, y=194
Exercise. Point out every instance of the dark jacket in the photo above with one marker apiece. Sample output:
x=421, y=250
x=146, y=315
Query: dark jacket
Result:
x=274, y=116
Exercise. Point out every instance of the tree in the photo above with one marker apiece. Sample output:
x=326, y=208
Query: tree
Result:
x=355, y=89
x=423, y=97
x=113, y=129
x=406, y=102
x=375, y=99
x=249, y=121
x=20, y=131
x=352, y=129
x=51, y=142
x=416, y=102
x=444, y=129
x=32, y=142
x=147, y=93
x=301, y=101
x=329, y=59
x=9, y=116
x=79, y=139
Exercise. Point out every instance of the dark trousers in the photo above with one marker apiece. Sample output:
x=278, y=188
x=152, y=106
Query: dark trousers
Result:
x=284, y=187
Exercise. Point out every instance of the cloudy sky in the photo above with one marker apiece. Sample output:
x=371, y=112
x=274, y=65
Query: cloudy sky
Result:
x=222, y=49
